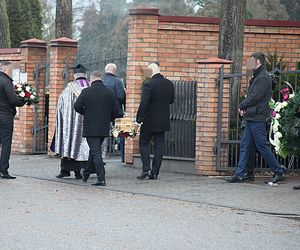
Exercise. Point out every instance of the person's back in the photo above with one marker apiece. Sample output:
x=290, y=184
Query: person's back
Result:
x=98, y=104
x=157, y=116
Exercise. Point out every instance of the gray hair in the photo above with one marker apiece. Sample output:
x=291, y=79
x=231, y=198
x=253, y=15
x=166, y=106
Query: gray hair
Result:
x=110, y=68
x=95, y=74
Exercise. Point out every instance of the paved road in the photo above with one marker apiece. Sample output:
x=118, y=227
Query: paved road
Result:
x=178, y=211
x=42, y=214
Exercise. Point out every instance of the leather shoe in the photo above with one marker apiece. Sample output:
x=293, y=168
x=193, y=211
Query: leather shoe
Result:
x=153, y=176
x=78, y=176
x=235, y=179
x=99, y=183
x=276, y=178
x=143, y=175
x=249, y=177
x=296, y=187
x=84, y=175
x=62, y=175
x=7, y=176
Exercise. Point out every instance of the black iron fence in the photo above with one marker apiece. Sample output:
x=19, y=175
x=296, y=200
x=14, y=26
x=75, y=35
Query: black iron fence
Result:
x=41, y=110
x=228, y=139
x=180, y=140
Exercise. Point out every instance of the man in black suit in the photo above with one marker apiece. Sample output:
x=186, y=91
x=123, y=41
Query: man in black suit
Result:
x=8, y=103
x=154, y=113
x=99, y=106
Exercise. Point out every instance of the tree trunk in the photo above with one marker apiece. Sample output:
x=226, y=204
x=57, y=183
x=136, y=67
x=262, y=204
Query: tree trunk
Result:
x=231, y=36
x=4, y=26
x=63, y=19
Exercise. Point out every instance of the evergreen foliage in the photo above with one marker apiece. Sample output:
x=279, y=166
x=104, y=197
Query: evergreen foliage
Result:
x=25, y=20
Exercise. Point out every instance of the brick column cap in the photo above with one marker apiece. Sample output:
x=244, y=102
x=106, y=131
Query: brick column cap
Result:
x=214, y=60
x=33, y=43
x=144, y=9
x=63, y=42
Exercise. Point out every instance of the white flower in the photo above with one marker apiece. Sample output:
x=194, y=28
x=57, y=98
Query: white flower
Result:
x=292, y=95
x=32, y=97
x=19, y=85
x=284, y=104
x=22, y=94
x=115, y=133
x=27, y=89
x=277, y=116
x=19, y=89
x=277, y=135
x=275, y=128
x=33, y=93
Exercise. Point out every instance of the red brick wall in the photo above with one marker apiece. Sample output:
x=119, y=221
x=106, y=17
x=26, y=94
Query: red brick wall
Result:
x=178, y=43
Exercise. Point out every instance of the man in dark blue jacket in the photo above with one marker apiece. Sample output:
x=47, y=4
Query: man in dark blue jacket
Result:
x=8, y=103
x=154, y=113
x=255, y=110
x=111, y=81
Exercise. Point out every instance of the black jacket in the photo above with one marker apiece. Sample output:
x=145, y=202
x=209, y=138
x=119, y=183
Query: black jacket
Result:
x=256, y=103
x=99, y=106
x=8, y=98
x=154, y=109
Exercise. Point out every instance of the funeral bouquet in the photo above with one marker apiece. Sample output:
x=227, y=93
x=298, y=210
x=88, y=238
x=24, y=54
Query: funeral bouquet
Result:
x=285, y=127
x=27, y=93
x=125, y=127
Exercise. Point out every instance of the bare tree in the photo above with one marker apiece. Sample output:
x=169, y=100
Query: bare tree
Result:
x=63, y=18
x=4, y=26
x=231, y=36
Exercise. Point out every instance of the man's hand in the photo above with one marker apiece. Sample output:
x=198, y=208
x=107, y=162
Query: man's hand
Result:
x=242, y=112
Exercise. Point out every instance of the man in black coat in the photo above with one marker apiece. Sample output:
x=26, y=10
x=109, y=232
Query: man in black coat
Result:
x=255, y=110
x=154, y=113
x=8, y=103
x=99, y=106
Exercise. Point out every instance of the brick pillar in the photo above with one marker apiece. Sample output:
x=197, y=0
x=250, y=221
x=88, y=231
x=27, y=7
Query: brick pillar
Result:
x=62, y=50
x=33, y=52
x=142, y=49
x=207, y=114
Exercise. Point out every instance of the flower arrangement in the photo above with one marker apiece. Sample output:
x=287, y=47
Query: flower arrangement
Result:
x=125, y=127
x=285, y=125
x=26, y=92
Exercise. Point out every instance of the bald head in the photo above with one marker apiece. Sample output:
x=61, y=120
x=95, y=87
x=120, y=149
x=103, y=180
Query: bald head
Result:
x=111, y=68
x=154, y=67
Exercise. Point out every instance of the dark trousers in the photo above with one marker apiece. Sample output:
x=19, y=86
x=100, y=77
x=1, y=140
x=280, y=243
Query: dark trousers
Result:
x=255, y=135
x=159, y=148
x=95, y=161
x=6, y=132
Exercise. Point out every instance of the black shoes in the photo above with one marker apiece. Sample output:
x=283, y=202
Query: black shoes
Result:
x=249, y=177
x=278, y=177
x=99, y=183
x=84, y=175
x=296, y=187
x=239, y=179
x=78, y=176
x=153, y=176
x=7, y=176
x=143, y=176
x=62, y=175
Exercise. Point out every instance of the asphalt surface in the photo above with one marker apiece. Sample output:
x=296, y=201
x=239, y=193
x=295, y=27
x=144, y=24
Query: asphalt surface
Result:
x=39, y=211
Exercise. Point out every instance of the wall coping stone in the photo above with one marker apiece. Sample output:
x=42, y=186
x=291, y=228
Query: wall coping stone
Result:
x=63, y=42
x=215, y=20
x=10, y=51
x=144, y=9
x=33, y=43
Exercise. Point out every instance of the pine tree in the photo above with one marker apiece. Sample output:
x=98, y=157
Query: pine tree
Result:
x=4, y=26
x=36, y=13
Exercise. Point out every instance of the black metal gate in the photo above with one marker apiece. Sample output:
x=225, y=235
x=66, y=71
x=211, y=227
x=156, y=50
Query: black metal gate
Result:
x=41, y=110
x=180, y=140
x=228, y=138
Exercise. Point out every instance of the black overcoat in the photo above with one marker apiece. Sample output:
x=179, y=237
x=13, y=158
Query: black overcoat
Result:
x=154, y=109
x=8, y=98
x=99, y=106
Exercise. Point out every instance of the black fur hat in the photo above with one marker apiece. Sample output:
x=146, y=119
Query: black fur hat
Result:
x=79, y=68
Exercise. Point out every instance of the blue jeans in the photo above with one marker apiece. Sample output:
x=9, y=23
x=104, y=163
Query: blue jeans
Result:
x=255, y=135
